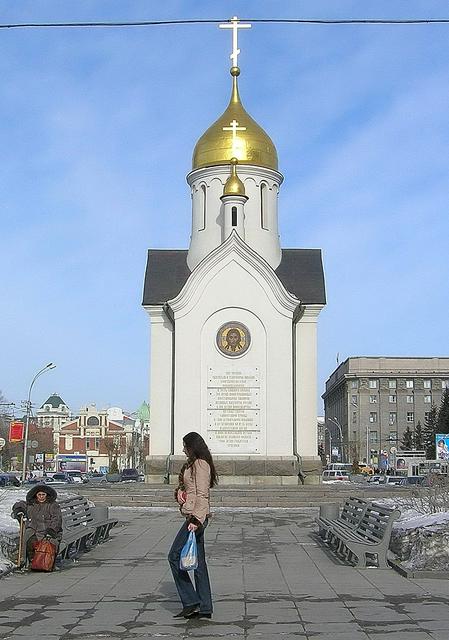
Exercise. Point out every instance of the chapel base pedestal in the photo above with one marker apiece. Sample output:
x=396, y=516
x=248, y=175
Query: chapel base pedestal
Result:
x=244, y=470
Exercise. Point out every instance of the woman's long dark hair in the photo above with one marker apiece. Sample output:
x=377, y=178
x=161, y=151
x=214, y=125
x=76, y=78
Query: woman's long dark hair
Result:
x=197, y=449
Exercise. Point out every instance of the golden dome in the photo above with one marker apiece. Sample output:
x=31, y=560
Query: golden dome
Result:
x=234, y=186
x=235, y=134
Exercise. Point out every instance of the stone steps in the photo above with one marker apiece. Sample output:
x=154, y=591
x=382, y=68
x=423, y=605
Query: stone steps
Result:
x=141, y=495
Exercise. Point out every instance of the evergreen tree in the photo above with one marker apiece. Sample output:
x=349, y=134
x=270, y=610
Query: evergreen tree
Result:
x=418, y=437
x=443, y=414
x=407, y=440
x=429, y=432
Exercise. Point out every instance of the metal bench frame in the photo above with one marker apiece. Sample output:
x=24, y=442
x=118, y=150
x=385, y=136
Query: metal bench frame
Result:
x=349, y=518
x=361, y=532
x=83, y=526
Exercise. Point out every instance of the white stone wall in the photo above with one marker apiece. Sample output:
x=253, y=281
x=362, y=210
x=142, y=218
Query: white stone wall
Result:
x=231, y=288
x=261, y=231
x=160, y=381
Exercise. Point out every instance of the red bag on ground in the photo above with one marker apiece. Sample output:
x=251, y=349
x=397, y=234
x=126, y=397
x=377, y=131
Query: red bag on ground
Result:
x=44, y=556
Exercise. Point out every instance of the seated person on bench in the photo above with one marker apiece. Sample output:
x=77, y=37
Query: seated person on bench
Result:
x=43, y=518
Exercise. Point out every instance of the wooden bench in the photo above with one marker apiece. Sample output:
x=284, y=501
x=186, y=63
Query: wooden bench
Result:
x=362, y=532
x=83, y=526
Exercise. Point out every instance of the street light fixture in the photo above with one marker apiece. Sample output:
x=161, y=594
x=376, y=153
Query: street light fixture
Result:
x=48, y=367
x=337, y=424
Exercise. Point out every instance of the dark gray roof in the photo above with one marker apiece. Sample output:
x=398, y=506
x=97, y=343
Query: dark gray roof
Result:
x=54, y=400
x=300, y=271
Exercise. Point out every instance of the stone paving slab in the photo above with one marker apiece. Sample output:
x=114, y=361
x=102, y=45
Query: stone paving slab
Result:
x=271, y=578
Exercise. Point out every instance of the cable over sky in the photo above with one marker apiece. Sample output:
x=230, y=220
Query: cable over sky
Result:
x=164, y=23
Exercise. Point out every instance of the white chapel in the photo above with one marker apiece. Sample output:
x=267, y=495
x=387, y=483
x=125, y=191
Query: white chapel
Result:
x=234, y=317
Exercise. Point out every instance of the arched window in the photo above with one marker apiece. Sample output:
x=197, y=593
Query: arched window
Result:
x=92, y=421
x=203, y=208
x=234, y=216
x=263, y=206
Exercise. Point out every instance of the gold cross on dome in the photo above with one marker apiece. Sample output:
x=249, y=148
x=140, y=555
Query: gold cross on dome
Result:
x=234, y=127
x=235, y=26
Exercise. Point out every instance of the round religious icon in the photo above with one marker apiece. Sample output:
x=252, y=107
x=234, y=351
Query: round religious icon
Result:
x=233, y=339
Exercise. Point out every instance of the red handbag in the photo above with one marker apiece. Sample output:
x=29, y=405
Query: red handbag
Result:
x=44, y=556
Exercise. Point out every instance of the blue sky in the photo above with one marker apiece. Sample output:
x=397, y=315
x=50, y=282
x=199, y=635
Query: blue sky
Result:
x=97, y=128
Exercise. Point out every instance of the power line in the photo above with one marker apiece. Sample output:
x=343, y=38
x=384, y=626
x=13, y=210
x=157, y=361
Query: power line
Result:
x=161, y=23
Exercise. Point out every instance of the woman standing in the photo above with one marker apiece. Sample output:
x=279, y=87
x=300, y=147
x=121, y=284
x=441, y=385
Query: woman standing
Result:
x=197, y=476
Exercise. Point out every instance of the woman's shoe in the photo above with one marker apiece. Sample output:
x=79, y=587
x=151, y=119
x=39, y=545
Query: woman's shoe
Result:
x=200, y=614
x=188, y=612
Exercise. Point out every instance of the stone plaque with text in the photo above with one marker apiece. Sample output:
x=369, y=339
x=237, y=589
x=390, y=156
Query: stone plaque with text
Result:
x=233, y=409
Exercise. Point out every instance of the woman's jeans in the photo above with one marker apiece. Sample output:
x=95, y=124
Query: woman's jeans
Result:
x=190, y=595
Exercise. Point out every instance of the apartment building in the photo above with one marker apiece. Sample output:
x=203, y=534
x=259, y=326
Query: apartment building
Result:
x=373, y=400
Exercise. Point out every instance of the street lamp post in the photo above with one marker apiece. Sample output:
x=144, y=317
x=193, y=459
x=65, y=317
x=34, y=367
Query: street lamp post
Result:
x=367, y=447
x=48, y=367
x=337, y=424
x=330, y=443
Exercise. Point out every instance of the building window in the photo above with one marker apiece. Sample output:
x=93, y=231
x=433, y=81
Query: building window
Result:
x=354, y=384
x=393, y=436
x=373, y=436
x=203, y=208
x=410, y=416
x=426, y=415
x=445, y=384
x=373, y=399
x=234, y=216
x=409, y=384
x=427, y=384
x=392, y=418
x=392, y=384
x=373, y=416
x=354, y=416
x=97, y=444
x=392, y=399
x=92, y=421
x=354, y=400
x=428, y=399
x=68, y=443
x=263, y=205
x=410, y=399
x=373, y=384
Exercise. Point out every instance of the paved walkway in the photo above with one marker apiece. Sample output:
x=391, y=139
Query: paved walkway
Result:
x=270, y=580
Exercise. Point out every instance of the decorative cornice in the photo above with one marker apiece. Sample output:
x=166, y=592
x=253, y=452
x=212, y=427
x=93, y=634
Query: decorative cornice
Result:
x=222, y=171
x=234, y=247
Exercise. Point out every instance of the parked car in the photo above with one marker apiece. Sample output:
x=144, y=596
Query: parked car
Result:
x=330, y=475
x=129, y=474
x=396, y=480
x=8, y=479
x=366, y=470
x=376, y=479
x=96, y=476
x=415, y=480
x=77, y=476
x=62, y=478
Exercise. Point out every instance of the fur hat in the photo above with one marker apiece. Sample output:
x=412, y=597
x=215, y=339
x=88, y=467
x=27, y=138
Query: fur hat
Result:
x=51, y=493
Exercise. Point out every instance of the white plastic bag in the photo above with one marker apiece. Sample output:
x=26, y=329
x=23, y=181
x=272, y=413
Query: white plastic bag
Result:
x=188, y=560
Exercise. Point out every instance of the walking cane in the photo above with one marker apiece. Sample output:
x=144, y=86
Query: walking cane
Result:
x=21, y=536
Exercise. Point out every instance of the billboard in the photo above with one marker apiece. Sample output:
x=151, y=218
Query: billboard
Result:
x=71, y=462
x=442, y=446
